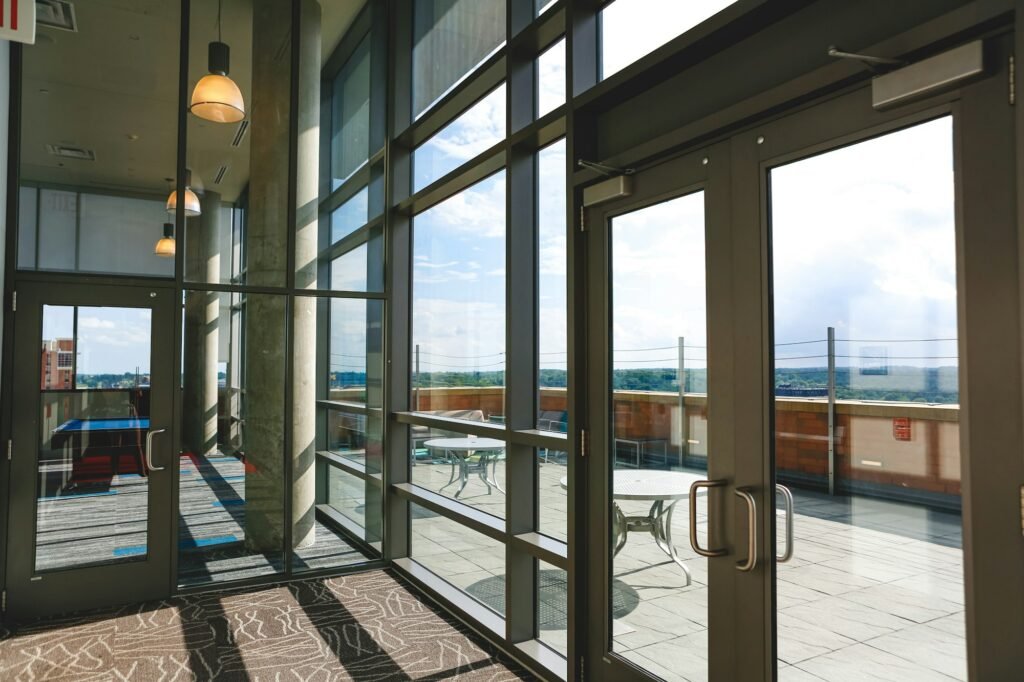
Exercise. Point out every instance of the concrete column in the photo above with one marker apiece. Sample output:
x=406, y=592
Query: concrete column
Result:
x=202, y=333
x=267, y=241
x=307, y=181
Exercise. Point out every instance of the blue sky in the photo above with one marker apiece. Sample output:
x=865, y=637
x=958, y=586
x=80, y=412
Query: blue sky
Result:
x=110, y=340
x=863, y=241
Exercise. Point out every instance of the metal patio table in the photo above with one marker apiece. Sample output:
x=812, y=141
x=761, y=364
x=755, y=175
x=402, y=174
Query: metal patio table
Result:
x=664, y=490
x=458, y=452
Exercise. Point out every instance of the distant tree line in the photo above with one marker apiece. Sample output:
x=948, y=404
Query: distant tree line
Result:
x=896, y=383
x=126, y=380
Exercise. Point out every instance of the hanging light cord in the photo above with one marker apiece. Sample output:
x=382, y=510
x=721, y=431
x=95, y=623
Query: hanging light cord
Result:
x=220, y=6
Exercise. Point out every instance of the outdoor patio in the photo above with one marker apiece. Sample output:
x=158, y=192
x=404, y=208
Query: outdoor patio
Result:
x=873, y=592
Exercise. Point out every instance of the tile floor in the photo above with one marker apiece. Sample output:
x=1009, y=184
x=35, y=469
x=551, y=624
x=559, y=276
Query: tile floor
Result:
x=873, y=592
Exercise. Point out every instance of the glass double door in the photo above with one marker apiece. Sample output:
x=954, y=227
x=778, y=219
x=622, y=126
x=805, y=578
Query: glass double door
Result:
x=91, y=465
x=780, y=333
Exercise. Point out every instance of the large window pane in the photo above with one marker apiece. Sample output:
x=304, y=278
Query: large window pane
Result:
x=458, y=304
x=470, y=561
x=552, y=337
x=553, y=607
x=232, y=524
x=338, y=418
x=450, y=38
x=470, y=469
x=350, y=114
x=480, y=127
x=238, y=229
x=351, y=215
x=551, y=78
x=87, y=232
x=880, y=562
x=631, y=29
x=552, y=502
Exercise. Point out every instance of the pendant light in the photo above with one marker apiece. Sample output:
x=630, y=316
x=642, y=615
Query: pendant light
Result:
x=216, y=97
x=165, y=246
x=192, y=208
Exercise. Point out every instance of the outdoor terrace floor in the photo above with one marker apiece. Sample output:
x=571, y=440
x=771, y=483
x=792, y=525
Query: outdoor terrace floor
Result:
x=874, y=590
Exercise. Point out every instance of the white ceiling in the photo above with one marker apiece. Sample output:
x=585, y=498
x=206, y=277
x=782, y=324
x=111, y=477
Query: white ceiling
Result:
x=112, y=88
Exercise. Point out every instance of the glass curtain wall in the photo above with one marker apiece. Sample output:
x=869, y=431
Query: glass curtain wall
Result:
x=340, y=371
x=479, y=445
x=281, y=427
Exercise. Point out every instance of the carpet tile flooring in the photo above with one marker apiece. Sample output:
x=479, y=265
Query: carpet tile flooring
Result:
x=366, y=626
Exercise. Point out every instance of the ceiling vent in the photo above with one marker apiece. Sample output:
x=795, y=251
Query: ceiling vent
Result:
x=57, y=14
x=243, y=127
x=66, y=152
x=221, y=172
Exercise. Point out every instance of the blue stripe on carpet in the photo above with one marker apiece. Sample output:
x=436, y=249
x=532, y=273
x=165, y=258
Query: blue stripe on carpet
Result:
x=228, y=503
x=133, y=550
x=205, y=542
x=75, y=496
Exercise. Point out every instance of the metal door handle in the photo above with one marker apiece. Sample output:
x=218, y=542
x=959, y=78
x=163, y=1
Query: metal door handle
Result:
x=751, y=562
x=788, y=507
x=149, y=450
x=694, y=542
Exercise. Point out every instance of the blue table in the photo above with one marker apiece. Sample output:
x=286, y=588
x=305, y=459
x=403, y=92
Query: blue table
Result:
x=114, y=435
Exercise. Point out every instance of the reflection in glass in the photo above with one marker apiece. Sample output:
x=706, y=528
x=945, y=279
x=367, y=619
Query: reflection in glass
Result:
x=343, y=426
x=878, y=564
x=470, y=469
x=450, y=38
x=470, y=561
x=350, y=116
x=93, y=493
x=458, y=305
x=552, y=481
x=551, y=78
x=553, y=607
x=477, y=129
x=231, y=495
x=348, y=271
x=351, y=215
x=631, y=29
x=659, y=386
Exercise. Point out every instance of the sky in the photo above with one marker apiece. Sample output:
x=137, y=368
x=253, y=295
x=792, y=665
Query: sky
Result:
x=110, y=340
x=863, y=241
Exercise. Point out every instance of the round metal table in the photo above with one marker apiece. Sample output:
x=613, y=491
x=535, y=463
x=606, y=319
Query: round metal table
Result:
x=459, y=450
x=663, y=489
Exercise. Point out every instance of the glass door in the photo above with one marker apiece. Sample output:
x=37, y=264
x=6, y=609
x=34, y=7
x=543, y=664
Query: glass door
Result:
x=91, y=465
x=786, y=479
x=871, y=220
x=662, y=494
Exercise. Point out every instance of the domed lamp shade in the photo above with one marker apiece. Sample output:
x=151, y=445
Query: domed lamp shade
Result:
x=191, y=203
x=165, y=245
x=192, y=207
x=216, y=97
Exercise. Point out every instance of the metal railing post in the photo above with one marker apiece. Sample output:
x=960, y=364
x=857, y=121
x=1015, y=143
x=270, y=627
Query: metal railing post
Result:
x=831, y=411
x=683, y=425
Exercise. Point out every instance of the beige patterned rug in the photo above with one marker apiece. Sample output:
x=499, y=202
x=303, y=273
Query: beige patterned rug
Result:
x=365, y=626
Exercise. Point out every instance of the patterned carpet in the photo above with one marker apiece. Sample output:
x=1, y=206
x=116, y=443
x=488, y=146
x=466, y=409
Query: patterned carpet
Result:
x=365, y=627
